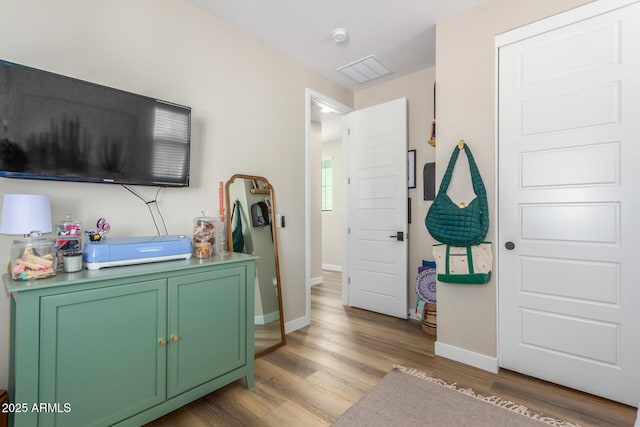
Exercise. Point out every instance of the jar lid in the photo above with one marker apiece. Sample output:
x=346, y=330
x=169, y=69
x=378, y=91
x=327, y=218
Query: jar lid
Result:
x=34, y=240
x=69, y=219
x=204, y=217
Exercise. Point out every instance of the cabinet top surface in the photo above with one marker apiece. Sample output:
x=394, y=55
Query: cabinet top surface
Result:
x=82, y=276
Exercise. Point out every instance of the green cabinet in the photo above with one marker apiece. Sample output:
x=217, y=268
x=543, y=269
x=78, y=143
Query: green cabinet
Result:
x=126, y=345
x=206, y=323
x=106, y=337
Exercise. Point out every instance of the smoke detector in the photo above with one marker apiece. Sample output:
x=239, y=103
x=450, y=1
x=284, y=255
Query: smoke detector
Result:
x=340, y=35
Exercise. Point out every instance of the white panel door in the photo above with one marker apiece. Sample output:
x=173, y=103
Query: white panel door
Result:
x=569, y=205
x=377, y=208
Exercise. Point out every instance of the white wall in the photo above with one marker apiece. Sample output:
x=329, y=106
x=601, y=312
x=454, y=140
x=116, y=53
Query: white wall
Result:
x=418, y=89
x=332, y=233
x=248, y=106
x=465, y=72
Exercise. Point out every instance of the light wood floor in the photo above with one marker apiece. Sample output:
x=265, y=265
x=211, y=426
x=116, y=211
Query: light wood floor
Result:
x=326, y=367
x=266, y=336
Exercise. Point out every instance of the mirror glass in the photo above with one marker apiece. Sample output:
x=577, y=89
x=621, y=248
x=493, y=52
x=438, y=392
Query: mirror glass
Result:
x=251, y=230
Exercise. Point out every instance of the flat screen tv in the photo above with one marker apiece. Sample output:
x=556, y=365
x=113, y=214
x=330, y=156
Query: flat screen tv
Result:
x=59, y=128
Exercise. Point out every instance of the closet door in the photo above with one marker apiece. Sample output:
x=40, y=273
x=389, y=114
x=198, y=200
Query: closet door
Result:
x=569, y=212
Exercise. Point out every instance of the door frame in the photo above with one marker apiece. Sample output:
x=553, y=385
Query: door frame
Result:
x=310, y=96
x=562, y=19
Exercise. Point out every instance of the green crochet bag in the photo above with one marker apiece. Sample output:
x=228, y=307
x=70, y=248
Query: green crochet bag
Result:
x=460, y=225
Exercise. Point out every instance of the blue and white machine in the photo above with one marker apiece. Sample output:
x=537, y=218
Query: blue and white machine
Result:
x=114, y=251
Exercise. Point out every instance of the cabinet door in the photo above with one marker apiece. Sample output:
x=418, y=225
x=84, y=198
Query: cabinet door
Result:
x=100, y=352
x=207, y=326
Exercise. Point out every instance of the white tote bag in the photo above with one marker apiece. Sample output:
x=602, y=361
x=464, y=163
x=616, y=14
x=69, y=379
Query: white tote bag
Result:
x=469, y=265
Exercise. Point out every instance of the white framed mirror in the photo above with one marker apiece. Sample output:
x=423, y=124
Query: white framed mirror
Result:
x=251, y=229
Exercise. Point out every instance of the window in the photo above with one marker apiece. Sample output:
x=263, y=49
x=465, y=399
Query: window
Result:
x=327, y=185
x=170, y=137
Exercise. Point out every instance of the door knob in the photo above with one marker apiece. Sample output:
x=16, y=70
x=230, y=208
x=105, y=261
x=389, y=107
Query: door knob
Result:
x=399, y=236
x=175, y=338
x=163, y=342
x=510, y=245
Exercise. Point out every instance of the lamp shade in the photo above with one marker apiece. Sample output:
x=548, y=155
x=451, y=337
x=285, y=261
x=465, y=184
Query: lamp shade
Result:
x=24, y=213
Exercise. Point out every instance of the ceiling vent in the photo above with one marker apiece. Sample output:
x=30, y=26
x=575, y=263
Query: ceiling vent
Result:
x=365, y=69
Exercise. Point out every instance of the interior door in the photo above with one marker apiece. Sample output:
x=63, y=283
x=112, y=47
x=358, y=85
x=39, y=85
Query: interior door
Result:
x=569, y=215
x=376, y=144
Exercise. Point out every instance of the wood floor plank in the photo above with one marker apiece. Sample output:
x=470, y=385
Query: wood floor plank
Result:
x=340, y=384
x=315, y=399
x=292, y=415
x=301, y=366
x=329, y=365
x=183, y=417
x=259, y=400
x=360, y=372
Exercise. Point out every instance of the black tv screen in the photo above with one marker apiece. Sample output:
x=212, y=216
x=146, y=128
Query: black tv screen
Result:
x=60, y=128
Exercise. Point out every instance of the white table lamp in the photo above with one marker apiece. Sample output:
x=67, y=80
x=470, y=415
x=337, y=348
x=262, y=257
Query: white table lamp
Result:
x=25, y=213
x=29, y=215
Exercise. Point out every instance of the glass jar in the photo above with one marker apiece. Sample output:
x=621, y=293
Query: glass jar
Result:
x=204, y=236
x=33, y=258
x=221, y=237
x=69, y=234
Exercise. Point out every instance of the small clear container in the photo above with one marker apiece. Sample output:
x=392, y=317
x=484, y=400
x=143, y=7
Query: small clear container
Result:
x=221, y=237
x=69, y=234
x=34, y=257
x=204, y=236
x=72, y=261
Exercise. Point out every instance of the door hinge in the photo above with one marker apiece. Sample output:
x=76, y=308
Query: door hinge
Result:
x=349, y=180
x=348, y=131
x=349, y=279
x=348, y=230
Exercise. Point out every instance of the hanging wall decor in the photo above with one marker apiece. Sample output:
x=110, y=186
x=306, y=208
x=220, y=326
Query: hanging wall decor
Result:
x=411, y=169
x=429, y=181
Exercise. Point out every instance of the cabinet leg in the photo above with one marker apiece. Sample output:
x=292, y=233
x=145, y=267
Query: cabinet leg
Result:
x=248, y=380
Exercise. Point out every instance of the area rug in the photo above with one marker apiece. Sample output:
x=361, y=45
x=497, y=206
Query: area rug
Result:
x=408, y=397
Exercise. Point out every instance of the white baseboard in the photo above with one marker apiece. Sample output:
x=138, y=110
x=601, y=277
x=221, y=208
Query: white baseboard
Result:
x=331, y=267
x=467, y=357
x=316, y=281
x=267, y=318
x=296, y=324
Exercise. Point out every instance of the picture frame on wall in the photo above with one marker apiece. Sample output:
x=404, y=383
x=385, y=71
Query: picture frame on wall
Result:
x=411, y=171
x=429, y=180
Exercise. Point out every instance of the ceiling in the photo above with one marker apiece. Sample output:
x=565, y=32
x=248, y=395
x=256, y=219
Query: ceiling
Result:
x=401, y=33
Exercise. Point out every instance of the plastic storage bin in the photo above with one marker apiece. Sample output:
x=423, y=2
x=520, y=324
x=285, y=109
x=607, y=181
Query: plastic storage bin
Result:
x=69, y=234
